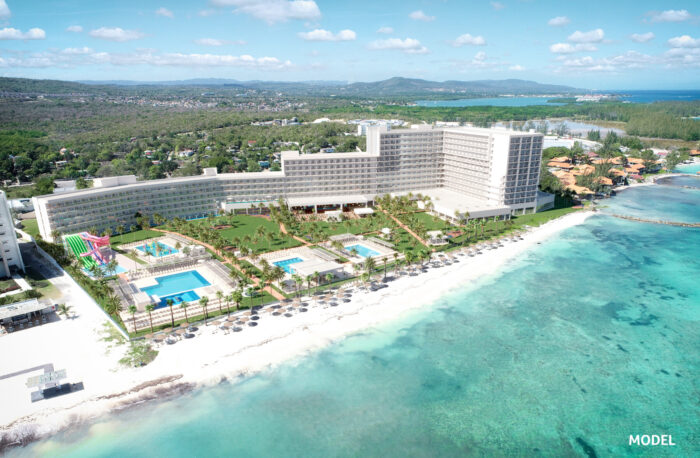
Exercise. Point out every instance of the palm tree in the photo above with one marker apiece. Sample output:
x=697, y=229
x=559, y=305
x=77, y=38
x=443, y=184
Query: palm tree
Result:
x=170, y=303
x=64, y=309
x=396, y=261
x=203, y=301
x=120, y=229
x=220, y=297
x=237, y=298
x=384, y=261
x=317, y=276
x=309, y=279
x=150, y=308
x=370, y=265
x=298, y=281
x=133, y=310
x=329, y=278
x=183, y=306
x=228, y=304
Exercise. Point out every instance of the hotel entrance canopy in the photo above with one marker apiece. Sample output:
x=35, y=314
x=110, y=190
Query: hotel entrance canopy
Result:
x=311, y=201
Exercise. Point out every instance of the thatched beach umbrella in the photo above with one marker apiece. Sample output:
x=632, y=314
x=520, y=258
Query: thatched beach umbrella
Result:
x=232, y=318
x=244, y=320
x=181, y=332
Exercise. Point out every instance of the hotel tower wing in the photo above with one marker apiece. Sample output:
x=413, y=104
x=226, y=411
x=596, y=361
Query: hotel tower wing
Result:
x=485, y=172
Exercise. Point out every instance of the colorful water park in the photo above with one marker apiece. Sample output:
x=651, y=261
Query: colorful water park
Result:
x=90, y=249
x=157, y=249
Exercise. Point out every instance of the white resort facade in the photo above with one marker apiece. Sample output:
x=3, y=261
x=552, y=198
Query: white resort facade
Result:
x=10, y=255
x=485, y=172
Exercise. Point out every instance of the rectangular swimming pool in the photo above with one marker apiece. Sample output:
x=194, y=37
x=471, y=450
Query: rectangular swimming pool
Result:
x=362, y=250
x=177, y=285
x=187, y=296
x=157, y=249
x=286, y=264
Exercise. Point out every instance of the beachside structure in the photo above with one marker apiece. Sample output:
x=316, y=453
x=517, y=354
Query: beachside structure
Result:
x=485, y=172
x=10, y=255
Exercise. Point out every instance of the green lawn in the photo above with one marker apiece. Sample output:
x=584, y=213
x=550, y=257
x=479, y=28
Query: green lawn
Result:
x=242, y=225
x=537, y=219
x=351, y=226
x=135, y=236
x=431, y=223
x=31, y=227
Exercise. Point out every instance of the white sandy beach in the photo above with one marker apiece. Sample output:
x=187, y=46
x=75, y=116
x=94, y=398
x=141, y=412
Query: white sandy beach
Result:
x=209, y=358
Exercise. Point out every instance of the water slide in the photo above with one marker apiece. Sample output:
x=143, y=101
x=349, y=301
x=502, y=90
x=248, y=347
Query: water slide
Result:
x=77, y=246
x=94, y=244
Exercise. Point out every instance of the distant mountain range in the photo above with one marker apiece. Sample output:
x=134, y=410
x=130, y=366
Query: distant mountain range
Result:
x=392, y=87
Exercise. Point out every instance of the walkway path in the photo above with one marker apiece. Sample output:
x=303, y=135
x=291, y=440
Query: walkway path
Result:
x=406, y=228
x=256, y=281
x=298, y=239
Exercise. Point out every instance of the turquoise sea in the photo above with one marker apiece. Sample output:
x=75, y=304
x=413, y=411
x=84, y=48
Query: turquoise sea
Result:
x=582, y=341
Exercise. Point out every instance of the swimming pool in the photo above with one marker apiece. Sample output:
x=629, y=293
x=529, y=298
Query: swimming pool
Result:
x=286, y=264
x=161, y=250
x=362, y=250
x=118, y=270
x=187, y=296
x=180, y=285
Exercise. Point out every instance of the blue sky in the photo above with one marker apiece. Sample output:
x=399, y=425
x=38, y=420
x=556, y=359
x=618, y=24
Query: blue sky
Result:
x=596, y=45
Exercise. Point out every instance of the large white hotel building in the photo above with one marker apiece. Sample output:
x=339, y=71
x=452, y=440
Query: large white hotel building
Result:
x=485, y=172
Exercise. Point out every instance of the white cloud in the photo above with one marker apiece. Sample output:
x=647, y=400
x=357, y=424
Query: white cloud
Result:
x=408, y=45
x=497, y=6
x=568, y=48
x=669, y=16
x=592, y=36
x=480, y=56
x=162, y=11
x=205, y=13
x=116, y=34
x=684, y=41
x=72, y=57
x=468, y=39
x=516, y=68
x=272, y=11
x=385, y=30
x=642, y=37
x=4, y=10
x=419, y=15
x=9, y=33
x=558, y=21
x=217, y=42
x=325, y=35
x=74, y=28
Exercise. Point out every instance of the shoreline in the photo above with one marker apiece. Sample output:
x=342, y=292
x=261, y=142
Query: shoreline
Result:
x=214, y=357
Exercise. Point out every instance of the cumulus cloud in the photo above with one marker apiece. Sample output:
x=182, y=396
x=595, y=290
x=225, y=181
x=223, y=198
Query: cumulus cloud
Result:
x=385, y=30
x=9, y=33
x=669, y=16
x=497, y=6
x=217, y=42
x=74, y=28
x=205, y=13
x=592, y=36
x=408, y=45
x=516, y=68
x=273, y=11
x=77, y=51
x=568, y=48
x=642, y=37
x=4, y=10
x=468, y=39
x=684, y=41
x=162, y=11
x=116, y=34
x=325, y=35
x=419, y=15
x=558, y=21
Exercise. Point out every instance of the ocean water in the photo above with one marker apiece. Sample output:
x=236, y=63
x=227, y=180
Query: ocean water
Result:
x=657, y=96
x=580, y=342
x=488, y=101
x=689, y=168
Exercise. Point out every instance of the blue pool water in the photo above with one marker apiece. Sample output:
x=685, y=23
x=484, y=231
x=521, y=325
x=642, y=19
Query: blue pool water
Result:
x=187, y=296
x=118, y=270
x=287, y=264
x=150, y=248
x=689, y=168
x=362, y=250
x=181, y=284
x=580, y=342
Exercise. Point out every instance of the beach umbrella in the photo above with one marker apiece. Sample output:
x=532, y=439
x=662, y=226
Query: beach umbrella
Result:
x=181, y=331
x=244, y=320
x=167, y=330
x=184, y=325
x=228, y=324
x=148, y=336
x=232, y=319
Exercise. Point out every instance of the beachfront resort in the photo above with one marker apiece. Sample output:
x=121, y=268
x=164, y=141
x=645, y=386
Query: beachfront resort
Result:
x=178, y=248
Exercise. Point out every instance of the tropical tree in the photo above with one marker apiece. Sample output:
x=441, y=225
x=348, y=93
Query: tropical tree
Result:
x=309, y=279
x=384, y=262
x=237, y=298
x=150, y=308
x=133, y=310
x=170, y=303
x=329, y=278
x=183, y=306
x=203, y=301
x=220, y=297
x=64, y=309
